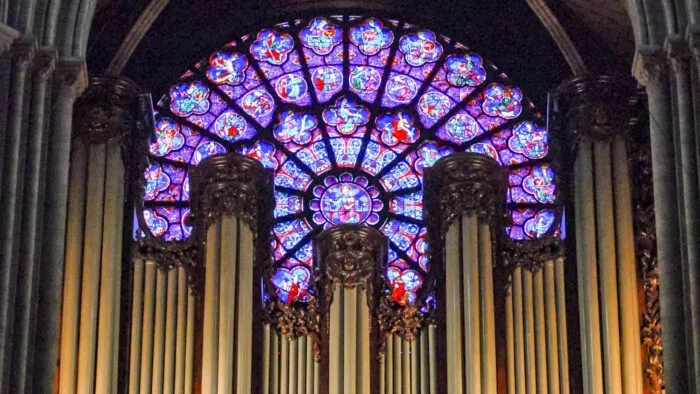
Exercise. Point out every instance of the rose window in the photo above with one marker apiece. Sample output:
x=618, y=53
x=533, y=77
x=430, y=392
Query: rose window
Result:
x=348, y=112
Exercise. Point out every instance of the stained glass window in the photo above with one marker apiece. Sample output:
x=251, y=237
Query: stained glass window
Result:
x=348, y=112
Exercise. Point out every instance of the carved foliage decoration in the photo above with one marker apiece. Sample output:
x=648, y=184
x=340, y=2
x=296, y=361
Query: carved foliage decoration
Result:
x=596, y=107
x=647, y=263
x=463, y=184
x=107, y=109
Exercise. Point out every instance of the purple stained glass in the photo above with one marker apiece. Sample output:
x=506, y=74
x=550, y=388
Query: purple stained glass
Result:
x=168, y=137
x=420, y=48
x=530, y=140
x=272, y=46
x=232, y=127
x=432, y=106
x=295, y=127
x=327, y=80
x=291, y=88
x=397, y=128
x=227, y=67
x=465, y=70
x=401, y=88
x=364, y=79
x=321, y=36
x=371, y=36
x=460, y=128
x=346, y=115
x=345, y=199
x=503, y=101
x=347, y=132
x=189, y=98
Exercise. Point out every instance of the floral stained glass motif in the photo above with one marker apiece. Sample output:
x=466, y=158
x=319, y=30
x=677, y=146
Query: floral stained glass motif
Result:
x=347, y=122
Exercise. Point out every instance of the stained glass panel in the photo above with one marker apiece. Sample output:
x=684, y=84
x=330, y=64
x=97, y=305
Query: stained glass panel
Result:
x=347, y=112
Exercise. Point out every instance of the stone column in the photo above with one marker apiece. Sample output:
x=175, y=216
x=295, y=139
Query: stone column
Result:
x=463, y=209
x=104, y=118
x=15, y=134
x=232, y=207
x=68, y=82
x=595, y=113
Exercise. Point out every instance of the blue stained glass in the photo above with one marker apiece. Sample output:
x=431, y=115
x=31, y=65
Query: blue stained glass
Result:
x=227, y=67
x=530, y=140
x=292, y=88
x=291, y=285
x=420, y=48
x=371, y=36
x=321, y=36
x=206, y=149
x=365, y=81
x=376, y=158
x=287, y=204
x=400, y=89
x=400, y=233
x=168, y=137
x=346, y=150
x=465, y=70
x=397, y=128
x=259, y=104
x=327, y=80
x=316, y=157
x=272, y=46
x=189, y=98
x=503, y=101
x=400, y=177
x=290, y=233
x=460, y=128
x=410, y=205
x=428, y=153
x=263, y=152
x=346, y=115
x=232, y=127
x=432, y=106
x=342, y=148
x=295, y=127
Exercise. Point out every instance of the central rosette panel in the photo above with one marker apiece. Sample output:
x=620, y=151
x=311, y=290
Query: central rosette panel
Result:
x=346, y=199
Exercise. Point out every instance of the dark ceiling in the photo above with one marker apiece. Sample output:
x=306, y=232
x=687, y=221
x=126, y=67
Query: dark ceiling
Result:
x=507, y=32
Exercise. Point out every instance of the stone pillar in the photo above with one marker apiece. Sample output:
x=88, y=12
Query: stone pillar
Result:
x=463, y=210
x=231, y=207
x=28, y=324
x=68, y=82
x=104, y=119
x=595, y=113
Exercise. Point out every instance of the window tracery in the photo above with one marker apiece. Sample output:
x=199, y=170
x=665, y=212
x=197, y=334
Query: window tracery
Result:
x=347, y=112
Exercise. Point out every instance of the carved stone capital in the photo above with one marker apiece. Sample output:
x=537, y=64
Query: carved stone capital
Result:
x=463, y=184
x=648, y=63
x=8, y=35
x=45, y=62
x=107, y=109
x=596, y=107
x=22, y=51
x=231, y=184
x=71, y=75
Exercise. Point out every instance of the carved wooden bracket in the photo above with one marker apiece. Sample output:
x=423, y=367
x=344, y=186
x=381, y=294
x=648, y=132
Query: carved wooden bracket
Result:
x=596, y=107
x=463, y=184
x=107, y=109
